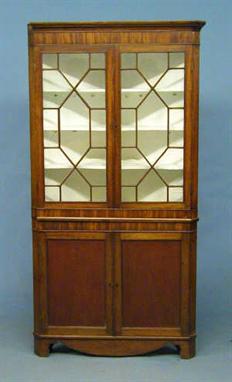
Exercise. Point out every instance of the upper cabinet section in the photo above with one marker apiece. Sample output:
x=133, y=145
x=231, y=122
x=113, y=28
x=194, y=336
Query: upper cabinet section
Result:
x=114, y=115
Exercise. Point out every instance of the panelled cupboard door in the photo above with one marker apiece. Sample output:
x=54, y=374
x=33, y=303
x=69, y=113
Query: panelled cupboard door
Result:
x=74, y=294
x=154, y=114
x=152, y=276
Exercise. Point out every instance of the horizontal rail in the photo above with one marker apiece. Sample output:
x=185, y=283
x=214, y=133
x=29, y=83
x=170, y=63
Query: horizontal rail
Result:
x=118, y=219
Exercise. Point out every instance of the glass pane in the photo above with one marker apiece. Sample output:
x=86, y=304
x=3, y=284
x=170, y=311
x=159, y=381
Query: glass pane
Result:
x=74, y=122
x=175, y=194
x=171, y=88
x=176, y=60
x=50, y=120
x=128, y=120
x=152, y=66
x=52, y=194
x=171, y=177
x=128, y=60
x=98, y=128
x=176, y=138
x=50, y=61
x=92, y=89
x=74, y=66
x=98, y=120
x=97, y=60
x=55, y=89
x=54, y=158
x=152, y=188
x=75, y=188
x=176, y=119
x=128, y=194
x=128, y=128
x=50, y=139
x=99, y=194
x=152, y=127
x=54, y=177
x=172, y=159
x=134, y=167
x=128, y=138
x=93, y=167
x=74, y=114
x=152, y=124
x=98, y=139
x=134, y=88
x=152, y=114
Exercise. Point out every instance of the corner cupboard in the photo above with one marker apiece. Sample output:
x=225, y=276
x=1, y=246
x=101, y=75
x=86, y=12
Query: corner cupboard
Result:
x=114, y=148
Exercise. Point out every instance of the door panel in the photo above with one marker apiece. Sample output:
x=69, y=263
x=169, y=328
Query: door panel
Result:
x=155, y=91
x=78, y=274
x=76, y=282
x=75, y=110
x=74, y=123
x=149, y=278
x=152, y=126
x=151, y=283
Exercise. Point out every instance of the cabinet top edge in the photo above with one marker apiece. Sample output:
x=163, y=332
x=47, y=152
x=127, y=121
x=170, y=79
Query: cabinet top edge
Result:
x=183, y=24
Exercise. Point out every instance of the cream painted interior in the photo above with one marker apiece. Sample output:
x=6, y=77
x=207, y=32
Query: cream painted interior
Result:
x=152, y=127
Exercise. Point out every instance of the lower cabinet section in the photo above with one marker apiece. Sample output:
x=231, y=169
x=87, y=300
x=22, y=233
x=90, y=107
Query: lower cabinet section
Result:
x=109, y=287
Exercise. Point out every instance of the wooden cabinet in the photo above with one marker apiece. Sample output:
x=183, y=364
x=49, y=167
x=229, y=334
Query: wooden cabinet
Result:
x=114, y=138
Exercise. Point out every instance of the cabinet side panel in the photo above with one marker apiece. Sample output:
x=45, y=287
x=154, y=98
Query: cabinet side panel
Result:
x=36, y=132
x=76, y=282
x=151, y=283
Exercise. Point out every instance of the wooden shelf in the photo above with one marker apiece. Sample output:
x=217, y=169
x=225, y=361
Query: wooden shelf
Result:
x=96, y=91
x=123, y=130
x=77, y=130
x=125, y=167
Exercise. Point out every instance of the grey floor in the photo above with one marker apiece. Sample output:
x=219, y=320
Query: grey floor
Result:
x=18, y=363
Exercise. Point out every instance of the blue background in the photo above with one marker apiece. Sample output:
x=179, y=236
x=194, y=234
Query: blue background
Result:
x=214, y=301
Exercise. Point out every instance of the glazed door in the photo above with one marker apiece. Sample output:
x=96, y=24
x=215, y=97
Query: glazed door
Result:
x=154, y=109
x=74, y=283
x=151, y=278
x=116, y=127
x=74, y=163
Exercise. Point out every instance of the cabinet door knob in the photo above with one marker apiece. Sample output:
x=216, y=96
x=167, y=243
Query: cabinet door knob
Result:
x=112, y=285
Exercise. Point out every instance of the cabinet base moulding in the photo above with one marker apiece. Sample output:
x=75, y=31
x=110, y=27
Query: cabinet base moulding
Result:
x=115, y=347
